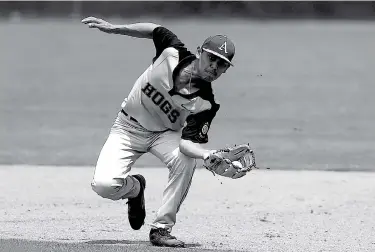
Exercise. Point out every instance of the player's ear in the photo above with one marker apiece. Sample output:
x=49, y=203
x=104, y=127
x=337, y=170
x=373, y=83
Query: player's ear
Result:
x=199, y=52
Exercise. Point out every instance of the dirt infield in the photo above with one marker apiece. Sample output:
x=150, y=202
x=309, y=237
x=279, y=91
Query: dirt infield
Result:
x=265, y=211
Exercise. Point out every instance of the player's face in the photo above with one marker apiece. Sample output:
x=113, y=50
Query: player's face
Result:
x=210, y=66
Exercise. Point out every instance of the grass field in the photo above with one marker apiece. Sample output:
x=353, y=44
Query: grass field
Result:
x=301, y=92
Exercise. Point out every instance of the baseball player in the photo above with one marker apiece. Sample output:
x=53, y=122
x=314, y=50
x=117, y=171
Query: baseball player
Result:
x=168, y=113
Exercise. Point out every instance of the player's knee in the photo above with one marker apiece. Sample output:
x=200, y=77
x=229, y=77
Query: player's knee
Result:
x=107, y=188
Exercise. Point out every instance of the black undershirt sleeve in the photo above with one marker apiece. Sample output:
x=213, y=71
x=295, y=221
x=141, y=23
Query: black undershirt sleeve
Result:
x=164, y=38
x=196, y=129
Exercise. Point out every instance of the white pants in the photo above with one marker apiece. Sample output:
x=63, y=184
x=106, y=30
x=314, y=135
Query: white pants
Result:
x=126, y=142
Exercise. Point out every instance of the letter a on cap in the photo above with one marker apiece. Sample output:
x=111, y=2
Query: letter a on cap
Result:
x=223, y=46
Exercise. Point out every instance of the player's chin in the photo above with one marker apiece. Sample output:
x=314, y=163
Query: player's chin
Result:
x=210, y=77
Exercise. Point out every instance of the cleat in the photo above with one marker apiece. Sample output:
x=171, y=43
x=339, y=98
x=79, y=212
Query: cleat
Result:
x=161, y=237
x=136, y=206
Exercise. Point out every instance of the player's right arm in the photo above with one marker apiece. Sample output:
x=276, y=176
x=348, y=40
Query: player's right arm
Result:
x=137, y=30
x=161, y=36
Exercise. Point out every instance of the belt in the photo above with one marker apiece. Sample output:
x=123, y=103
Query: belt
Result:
x=131, y=118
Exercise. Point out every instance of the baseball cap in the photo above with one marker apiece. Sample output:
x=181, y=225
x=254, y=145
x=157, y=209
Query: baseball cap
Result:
x=221, y=46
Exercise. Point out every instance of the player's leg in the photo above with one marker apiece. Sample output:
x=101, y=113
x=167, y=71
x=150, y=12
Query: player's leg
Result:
x=181, y=171
x=111, y=178
x=125, y=144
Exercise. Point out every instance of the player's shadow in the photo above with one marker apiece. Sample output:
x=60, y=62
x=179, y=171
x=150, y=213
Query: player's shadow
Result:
x=111, y=242
x=128, y=242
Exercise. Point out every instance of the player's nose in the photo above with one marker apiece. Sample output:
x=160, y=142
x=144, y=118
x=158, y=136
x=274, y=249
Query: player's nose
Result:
x=214, y=65
x=213, y=68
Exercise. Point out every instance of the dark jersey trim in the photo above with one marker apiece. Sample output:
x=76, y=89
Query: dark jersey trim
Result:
x=203, y=85
x=163, y=39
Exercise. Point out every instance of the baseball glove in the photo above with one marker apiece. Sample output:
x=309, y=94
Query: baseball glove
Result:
x=232, y=162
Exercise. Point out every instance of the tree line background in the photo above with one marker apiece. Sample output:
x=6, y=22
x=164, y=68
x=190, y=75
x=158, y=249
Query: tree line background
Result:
x=204, y=9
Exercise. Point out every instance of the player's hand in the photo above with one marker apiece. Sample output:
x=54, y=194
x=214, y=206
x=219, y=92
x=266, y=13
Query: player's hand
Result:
x=100, y=24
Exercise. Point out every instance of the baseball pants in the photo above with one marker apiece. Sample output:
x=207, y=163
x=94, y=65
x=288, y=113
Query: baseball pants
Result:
x=128, y=141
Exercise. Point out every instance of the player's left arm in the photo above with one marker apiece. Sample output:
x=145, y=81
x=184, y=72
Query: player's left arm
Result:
x=194, y=150
x=233, y=162
x=195, y=133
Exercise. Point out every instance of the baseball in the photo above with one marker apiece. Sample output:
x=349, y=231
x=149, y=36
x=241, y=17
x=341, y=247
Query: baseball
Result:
x=237, y=164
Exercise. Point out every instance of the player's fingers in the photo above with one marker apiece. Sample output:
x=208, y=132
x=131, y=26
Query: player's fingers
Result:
x=92, y=20
x=93, y=25
x=87, y=20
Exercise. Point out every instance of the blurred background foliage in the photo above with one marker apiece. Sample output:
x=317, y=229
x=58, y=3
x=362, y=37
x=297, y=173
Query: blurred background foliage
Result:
x=174, y=9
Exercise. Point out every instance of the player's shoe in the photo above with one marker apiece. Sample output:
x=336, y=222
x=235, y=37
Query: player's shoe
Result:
x=162, y=237
x=136, y=206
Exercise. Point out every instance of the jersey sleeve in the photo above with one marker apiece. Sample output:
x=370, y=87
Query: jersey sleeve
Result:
x=164, y=38
x=196, y=129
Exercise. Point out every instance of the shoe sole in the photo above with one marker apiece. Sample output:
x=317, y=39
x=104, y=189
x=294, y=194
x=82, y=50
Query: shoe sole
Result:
x=169, y=246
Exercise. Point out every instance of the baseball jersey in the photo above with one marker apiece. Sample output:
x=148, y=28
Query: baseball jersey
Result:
x=156, y=104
